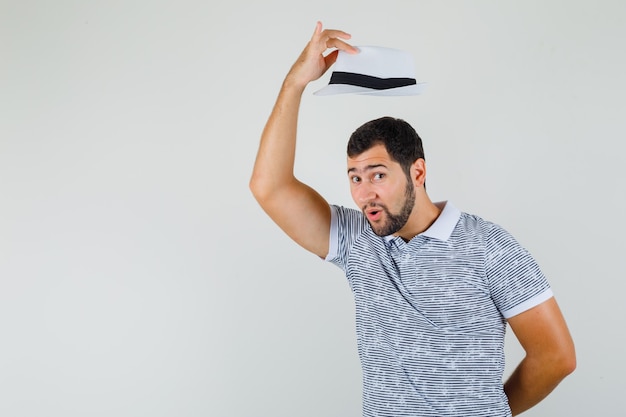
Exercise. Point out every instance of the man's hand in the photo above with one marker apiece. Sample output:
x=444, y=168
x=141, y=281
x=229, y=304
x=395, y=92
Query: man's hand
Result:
x=312, y=63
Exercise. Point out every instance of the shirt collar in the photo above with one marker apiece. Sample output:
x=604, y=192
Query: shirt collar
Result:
x=444, y=224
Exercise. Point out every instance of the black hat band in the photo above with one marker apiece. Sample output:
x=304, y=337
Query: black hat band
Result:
x=369, y=81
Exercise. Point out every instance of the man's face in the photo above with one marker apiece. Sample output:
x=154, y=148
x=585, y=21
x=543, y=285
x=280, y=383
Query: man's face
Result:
x=381, y=189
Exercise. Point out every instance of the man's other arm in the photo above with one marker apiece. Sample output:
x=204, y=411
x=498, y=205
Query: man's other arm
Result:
x=550, y=355
x=295, y=207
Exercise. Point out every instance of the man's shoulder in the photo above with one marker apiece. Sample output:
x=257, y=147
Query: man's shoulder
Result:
x=473, y=226
x=349, y=232
x=350, y=221
x=348, y=215
x=472, y=220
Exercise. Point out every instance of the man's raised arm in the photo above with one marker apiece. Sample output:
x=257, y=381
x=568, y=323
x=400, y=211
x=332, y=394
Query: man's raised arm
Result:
x=295, y=207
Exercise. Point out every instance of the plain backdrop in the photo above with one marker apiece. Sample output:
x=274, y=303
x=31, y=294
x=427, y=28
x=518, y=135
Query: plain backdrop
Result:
x=138, y=277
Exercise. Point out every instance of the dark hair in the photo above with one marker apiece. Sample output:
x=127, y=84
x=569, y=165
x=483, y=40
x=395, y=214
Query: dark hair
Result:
x=401, y=141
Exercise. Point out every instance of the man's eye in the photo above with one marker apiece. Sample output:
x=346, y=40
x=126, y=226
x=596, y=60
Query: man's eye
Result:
x=355, y=179
x=378, y=177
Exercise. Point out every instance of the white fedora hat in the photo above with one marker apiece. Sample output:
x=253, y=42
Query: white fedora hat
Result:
x=374, y=71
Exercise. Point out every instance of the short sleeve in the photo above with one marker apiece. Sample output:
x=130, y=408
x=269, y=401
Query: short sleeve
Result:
x=516, y=281
x=346, y=225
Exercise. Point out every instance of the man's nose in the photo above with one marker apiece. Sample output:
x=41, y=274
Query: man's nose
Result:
x=366, y=193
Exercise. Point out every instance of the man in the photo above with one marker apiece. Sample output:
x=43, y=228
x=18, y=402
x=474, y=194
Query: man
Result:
x=434, y=287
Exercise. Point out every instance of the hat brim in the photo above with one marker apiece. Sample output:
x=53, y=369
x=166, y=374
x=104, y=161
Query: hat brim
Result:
x=335, y=89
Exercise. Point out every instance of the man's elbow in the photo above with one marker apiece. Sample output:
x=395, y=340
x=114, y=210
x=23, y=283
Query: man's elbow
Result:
x=253, y=185
x=268, y=190
x=259, y=188
x=568, y=364
x=565, y=363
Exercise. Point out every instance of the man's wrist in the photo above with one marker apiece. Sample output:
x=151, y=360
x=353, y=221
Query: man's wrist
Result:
x=292, y=84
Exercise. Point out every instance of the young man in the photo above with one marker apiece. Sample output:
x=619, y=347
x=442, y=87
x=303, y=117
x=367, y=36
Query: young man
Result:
x=434, y=287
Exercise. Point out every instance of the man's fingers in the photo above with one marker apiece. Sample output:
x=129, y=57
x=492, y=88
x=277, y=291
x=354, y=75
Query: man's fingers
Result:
x=331, y=58
x=332, y=38
x=318, y=28
x=341, y=45
x=313, y=61
x=333, y=33
x=330, y=33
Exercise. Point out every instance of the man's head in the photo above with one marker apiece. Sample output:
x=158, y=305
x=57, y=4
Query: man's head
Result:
x=401, y=141
x=385, y=165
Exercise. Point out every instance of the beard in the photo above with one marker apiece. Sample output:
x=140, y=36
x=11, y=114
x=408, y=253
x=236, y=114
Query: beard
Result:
x=395, y=222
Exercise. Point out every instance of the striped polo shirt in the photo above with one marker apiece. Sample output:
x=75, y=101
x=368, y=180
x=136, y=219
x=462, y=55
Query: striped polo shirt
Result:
x=431, y=313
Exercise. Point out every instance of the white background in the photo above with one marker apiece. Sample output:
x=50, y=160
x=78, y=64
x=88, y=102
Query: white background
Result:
x=138, y=277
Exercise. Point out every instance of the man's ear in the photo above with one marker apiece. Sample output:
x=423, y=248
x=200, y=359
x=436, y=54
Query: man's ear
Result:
x=418, y=172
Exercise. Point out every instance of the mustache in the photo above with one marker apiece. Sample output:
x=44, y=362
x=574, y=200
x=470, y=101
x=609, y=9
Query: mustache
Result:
x=374, y=205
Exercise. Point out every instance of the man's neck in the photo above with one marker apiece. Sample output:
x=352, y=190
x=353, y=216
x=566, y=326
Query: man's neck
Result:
x=424, y=214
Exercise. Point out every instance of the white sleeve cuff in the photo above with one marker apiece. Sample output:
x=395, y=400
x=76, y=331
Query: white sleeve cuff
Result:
x=528, y=304
x=333, y=235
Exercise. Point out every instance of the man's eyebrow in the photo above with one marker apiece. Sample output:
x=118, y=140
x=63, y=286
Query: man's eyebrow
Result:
x=368, y=167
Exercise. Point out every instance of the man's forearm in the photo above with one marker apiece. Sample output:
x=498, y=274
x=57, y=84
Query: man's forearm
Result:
x=532, y=381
